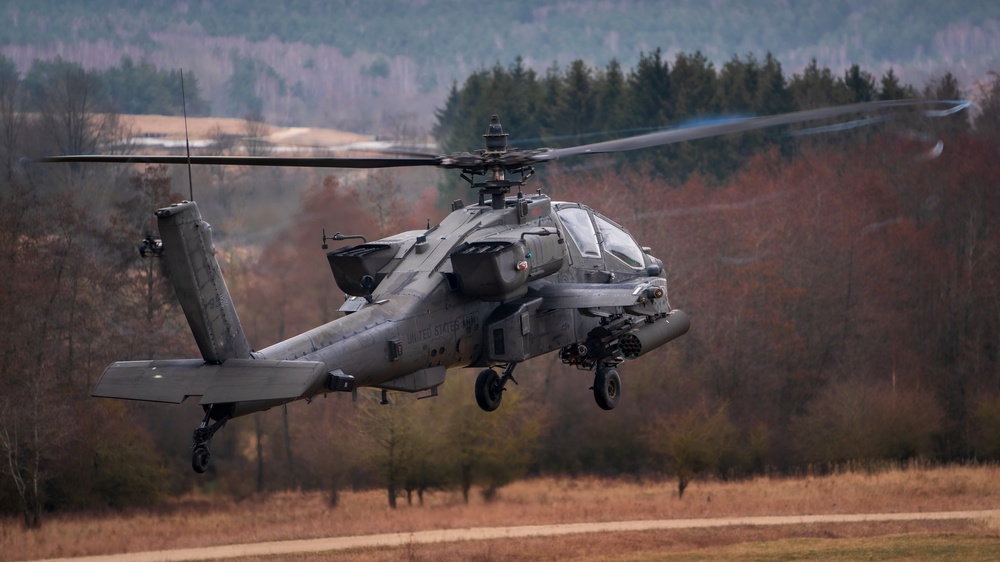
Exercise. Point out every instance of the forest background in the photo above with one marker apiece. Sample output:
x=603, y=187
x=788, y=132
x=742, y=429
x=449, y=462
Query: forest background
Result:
x=384, y=66
x=843, y=287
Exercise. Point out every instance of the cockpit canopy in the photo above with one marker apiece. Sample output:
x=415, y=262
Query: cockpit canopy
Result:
x=590, y=231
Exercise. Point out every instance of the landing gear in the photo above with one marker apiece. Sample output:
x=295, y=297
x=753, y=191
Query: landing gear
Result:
x=199, y=458
x=607, y=387
x=490, y=387
x=200, y=455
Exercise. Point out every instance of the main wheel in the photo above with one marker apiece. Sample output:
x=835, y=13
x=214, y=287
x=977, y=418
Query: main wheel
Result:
x=488, y=390
x=607, y=388
x=199, y=459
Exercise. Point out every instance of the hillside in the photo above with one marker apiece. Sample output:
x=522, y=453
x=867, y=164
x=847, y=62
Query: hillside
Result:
x=383, y=66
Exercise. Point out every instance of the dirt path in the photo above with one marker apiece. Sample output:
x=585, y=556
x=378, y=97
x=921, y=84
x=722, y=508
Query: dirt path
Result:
x=276, y=548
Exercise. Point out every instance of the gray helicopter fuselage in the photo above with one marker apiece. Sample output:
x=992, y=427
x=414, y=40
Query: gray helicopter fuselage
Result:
x=418, y=323
x=420, y=319
x=493, y=284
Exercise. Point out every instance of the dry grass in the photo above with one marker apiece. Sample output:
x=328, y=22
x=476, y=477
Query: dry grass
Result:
x=884, y=541
x=202, y=521
x=201, y=127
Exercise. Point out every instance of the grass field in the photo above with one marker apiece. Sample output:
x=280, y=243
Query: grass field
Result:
x=172, y=128
x=204, y=520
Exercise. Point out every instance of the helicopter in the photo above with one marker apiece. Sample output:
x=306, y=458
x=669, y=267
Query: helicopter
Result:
x=496, y=283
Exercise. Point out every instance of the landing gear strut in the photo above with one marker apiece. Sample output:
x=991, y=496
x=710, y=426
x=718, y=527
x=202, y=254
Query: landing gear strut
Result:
x=199, y=454
x=607, y=387
x=490, y=387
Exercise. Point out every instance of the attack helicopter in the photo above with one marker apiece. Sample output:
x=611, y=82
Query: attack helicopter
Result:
x=496, y=283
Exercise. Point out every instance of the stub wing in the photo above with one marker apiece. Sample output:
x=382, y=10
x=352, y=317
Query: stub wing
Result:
x=596, y=295
x=236, y=380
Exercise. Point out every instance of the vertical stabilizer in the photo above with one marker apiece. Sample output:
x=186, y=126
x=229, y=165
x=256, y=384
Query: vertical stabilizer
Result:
x=197, y=279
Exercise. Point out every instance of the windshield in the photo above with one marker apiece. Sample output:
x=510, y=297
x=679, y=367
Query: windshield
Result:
x=619, y=243
x=581, y=230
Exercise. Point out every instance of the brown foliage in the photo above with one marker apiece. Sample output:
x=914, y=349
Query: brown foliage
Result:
x=62, y=306
x=691, y=443
x=868, y=265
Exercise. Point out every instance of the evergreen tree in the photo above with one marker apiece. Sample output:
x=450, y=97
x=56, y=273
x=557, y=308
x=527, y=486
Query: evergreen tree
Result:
x=552, y=92
x=773, y=98
x=817, y=87
x=448, y=118
x=773, y=95
x=651, y=98
x=737, y=96
x=892, y=89
x=695, y=83
x=520, y=111
x=575, y=109
x=860, y=85
x=947, y=88
x=611, y=95
x=578, y=105
x=738, y=84
x=242, y=84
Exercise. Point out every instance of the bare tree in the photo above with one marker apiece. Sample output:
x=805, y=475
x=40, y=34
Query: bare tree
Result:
x=42, y=297
x=35, y=422
x=381, y=196
x=145, y=297
x=220, y=144
x=12, y=117
x=70, y=113
x=256, y=132
x=988, y=121
x=692, y=443
x=389, y=431
x=490, y=449
x=402, y=127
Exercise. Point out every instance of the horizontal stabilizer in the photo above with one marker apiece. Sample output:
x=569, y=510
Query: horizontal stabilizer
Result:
x=236, y=380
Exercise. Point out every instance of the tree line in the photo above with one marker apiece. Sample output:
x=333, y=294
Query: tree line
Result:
x=581, y=104
x=842, y=296
x=129, y=88
x=359, y=65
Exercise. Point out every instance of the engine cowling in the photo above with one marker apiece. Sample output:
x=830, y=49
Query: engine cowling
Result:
x=500, y=266
x=352, y=264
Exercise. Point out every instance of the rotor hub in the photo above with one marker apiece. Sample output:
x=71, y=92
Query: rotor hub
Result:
x=496, y=139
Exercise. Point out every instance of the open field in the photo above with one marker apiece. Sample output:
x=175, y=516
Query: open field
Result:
x=200, y=128
x=204, y=521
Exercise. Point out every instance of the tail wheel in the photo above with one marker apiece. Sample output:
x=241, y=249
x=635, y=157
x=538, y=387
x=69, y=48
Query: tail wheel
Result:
x=607, y=388
x=489, y=390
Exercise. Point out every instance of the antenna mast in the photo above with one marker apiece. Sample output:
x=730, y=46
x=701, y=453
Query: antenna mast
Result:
x=187, y=140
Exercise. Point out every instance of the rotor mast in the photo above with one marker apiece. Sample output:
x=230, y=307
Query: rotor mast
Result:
x=495, y=166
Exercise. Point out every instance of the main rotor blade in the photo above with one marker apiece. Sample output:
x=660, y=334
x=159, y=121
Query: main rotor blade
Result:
x=479, y=162
x=306, y=162
x=728, y=127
